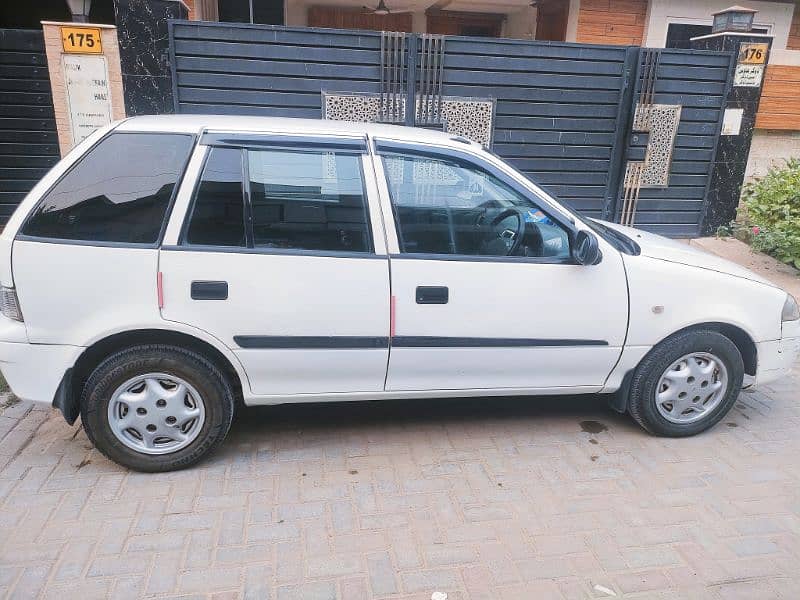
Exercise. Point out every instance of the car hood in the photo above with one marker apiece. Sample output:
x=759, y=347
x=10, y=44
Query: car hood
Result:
x=656, y=246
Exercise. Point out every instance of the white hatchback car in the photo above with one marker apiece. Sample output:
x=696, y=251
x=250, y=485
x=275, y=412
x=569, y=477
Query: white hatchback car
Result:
x=170, y=266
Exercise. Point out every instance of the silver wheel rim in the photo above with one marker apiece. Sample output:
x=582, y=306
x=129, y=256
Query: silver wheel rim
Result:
x=156, y=413
x=691, y=388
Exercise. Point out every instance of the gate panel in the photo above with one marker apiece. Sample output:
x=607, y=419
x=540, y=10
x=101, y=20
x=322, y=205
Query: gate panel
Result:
x=558, y=107
x=225, y=68
x=28, y=138
x=697, y=82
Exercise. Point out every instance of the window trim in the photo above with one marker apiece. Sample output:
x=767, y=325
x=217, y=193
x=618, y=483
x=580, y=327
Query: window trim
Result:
x=291, y=143
x=102, y=243
x=279, y=141
x=384, y=147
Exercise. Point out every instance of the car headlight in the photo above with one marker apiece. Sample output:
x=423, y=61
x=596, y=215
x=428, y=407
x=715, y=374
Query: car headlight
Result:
x=791, y=312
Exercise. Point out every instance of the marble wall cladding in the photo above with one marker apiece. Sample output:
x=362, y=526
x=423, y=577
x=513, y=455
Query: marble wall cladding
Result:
x=730, y=160
x=144, y=53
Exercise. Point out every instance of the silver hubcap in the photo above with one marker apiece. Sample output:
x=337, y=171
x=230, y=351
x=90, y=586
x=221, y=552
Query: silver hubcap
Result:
x=156, y=413
x=691, y=387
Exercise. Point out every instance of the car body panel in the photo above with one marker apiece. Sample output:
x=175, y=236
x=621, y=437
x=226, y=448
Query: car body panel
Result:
x=677, y=251
x=665, y=297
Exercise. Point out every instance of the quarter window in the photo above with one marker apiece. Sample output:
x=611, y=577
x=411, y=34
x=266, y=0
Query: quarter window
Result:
x=218, y=214
x=118, y=192
x=448, y=207
x=308, y=200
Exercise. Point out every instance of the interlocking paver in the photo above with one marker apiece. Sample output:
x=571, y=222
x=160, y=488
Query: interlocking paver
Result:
x=495, y=499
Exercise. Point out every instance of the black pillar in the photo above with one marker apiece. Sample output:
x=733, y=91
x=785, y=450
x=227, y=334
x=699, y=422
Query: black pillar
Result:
x=144, y=53
x=751, y=54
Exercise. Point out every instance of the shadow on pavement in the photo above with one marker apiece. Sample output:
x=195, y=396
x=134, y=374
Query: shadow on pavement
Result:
x=540, y=410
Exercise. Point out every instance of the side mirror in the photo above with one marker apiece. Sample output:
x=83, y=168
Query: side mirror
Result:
x=585, y=249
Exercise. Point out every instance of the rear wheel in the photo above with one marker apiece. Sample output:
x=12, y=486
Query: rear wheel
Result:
x=686, y=384
x=156, y=408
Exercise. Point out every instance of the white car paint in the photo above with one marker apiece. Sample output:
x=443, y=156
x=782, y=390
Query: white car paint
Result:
x=73, y=295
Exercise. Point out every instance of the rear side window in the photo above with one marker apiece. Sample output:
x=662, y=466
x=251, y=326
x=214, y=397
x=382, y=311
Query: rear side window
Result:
x=118, y=192
x=308, y=201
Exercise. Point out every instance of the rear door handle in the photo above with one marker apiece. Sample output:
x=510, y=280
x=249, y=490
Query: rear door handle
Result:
x=433, y=294
x=209, y=290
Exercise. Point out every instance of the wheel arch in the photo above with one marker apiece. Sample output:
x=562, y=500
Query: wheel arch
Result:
x=69, y=392
x=741, y=339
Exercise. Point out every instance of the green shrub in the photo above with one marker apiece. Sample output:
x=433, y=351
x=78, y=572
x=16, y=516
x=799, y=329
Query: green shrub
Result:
x=772, y=212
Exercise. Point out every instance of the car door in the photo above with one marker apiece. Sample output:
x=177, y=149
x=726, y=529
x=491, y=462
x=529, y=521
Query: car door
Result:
x=466, y=315
x=280, y=259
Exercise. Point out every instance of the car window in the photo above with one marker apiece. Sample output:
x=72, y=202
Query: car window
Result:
x=311, y=200
x=217, y=218
x=118, y=192
x=444, y=207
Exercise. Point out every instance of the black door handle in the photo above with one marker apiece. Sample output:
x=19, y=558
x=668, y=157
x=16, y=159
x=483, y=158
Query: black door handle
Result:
x=432, y=294
x=209, y=290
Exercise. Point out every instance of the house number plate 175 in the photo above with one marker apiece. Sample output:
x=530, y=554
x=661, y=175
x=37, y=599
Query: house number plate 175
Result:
x=81, y=40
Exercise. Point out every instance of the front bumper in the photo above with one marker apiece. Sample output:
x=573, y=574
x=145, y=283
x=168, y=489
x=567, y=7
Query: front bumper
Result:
x=777, y=357
x=34, y=371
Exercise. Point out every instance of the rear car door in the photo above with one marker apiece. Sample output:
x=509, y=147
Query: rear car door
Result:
x=280, y=259
x=467, y=314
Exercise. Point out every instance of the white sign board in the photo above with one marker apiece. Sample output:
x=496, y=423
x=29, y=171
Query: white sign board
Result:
x=732, y=121
x=748, y=75
x=88, y=94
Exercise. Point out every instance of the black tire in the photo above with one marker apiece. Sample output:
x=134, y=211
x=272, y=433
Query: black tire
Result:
x=202, y=374
x=642, y=400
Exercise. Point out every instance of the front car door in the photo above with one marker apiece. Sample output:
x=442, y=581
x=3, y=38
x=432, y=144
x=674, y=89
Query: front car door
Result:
x=485, y=294
x=280, y=259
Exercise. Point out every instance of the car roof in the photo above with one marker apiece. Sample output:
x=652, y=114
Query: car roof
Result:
x=197, y=123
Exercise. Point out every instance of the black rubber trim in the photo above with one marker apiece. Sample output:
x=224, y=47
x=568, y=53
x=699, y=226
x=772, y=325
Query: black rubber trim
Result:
x=310, y=342
x=424, y=341
x=65, y=400
x=336, y=342
x=618, y=400
x=310, y=143
x=534, y=260
x=274, y=251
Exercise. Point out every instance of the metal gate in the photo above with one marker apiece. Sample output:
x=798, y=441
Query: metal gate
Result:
x=28, y=139
x=622, y=133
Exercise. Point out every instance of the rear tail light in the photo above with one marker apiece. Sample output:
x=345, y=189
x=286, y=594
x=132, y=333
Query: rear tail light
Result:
x=9, y=303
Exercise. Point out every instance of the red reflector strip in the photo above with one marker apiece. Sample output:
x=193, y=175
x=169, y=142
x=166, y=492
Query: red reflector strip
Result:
x=160, y=288
x=392, y=314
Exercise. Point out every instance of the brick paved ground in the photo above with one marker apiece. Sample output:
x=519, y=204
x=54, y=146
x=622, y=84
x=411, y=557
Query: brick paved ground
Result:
x=501, y=498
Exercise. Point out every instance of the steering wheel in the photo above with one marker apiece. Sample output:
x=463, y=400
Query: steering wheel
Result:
x=511, y=238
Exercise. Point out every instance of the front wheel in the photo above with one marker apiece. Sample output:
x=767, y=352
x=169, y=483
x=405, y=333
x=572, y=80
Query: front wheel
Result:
x=686, y=384
x=156, y=408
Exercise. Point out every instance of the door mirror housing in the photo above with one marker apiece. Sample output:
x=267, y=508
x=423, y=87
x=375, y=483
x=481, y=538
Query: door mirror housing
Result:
x=585, y=249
